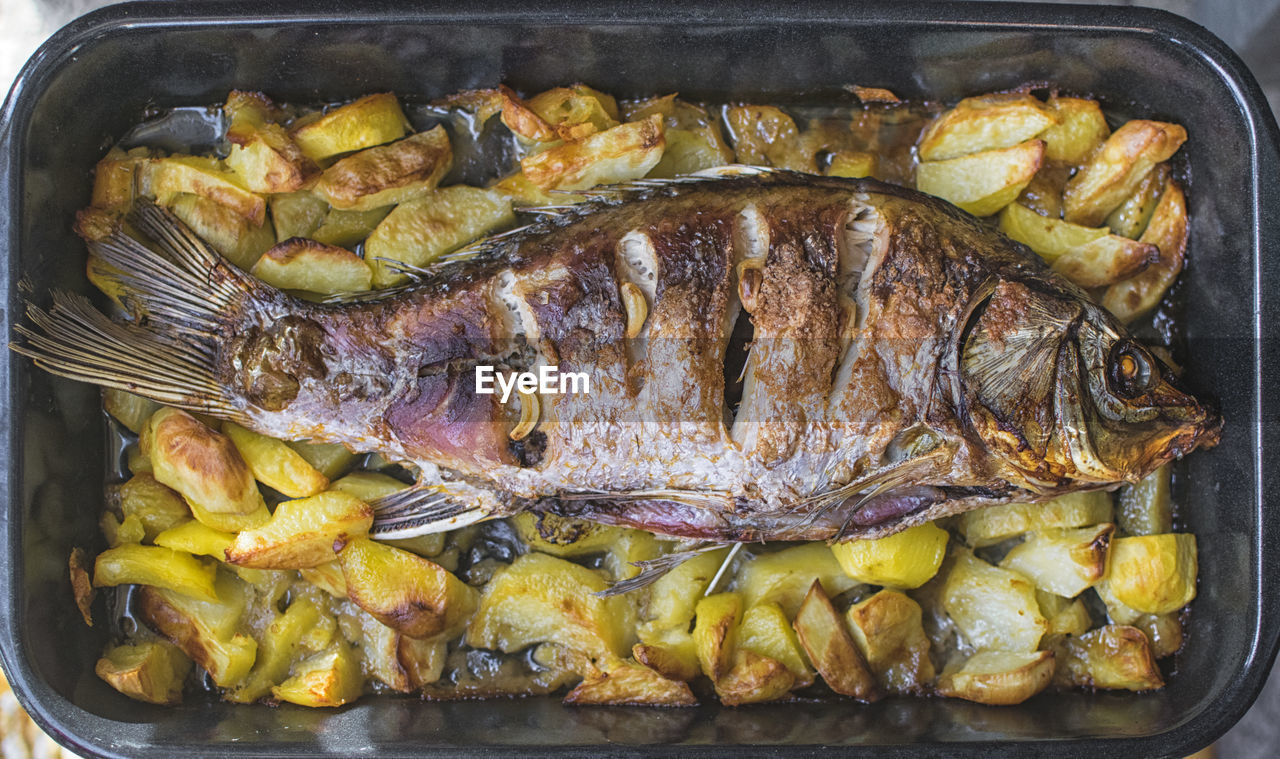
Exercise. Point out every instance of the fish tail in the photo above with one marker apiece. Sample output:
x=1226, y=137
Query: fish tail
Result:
x=182, y=297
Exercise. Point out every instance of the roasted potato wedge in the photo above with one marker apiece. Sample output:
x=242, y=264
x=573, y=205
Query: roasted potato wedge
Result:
x=280, y=647
x=994, y=608
x=1147, y=507
x=888, y=629
x=330, y=459
x=347, y=229
x=1167, y=230
x=132, y=564
x=198, y=539
x=239, y=240
x=823, y=635
x=1081, y=128
x=763, y=135
x=852, y=163
x=207, y=631
x=693, y=137
x=982, y=183
x=113, y=179
x=81, y=584
x=784, y=577
x=262, y=153
x=275, y=464
x=987, y=122
x=673, y=655
x=1130, y=219
x=765, y=630
x=204, y=466
x=302, y=264
x=575, y=113
x=628, y=683
x=301, y=533
x=564, y=536
x=1064, y=562
x=627, y=151
x=754, y=679
x=327, y=577
x=1115, y=657
x=364, y=123
x=541, y=598
x=167, y=178
x=297, y=214
x=329, y=678
x=715, y=632
x=1088, y=256
x=157, y=507
x=1116, y=170
x=985, y=527
x=673, y=598
x=420, y=231
x=999, y=677
x=906, y=559
x=388, y=174
x=404, y=591
x=130, y=410
x=368, y=486
x=151, y=671
x=1067, y=616
x=1155, y=574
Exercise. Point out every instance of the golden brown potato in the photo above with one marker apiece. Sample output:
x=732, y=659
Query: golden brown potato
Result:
x=985, y=527
x=420, y=231
x=262, y=153
x=1105, y=261
x=196, y=538
x=1167, y=230
x=388, y=174
x=132, y=564
x=765, y=630
x=565, y=537
x=693, y=136
x=1114, y=657
x=994, y=608
x=823, y=635
x=204, y=466
x=239, y=240
x=673, y=597
x=330, y=678
x=999, y=677
x=206, y=631
x=156, y=506
x=275, y=464
x=327, y=577
x=754, y=679
x=1154, y=574
x=674, y=657
x=715, y=632
x=763, y=135
x=784, y=577
x=576, y=112
x=982, y=183
x=987, y=122
x=113, y=179
x=1116, y=170
x=1131, y=217
x=364, y=123
x=1065, y=562
x=404, y=591
x=301, y=533
x=541, y=598
x=151, y=671
x=302, y=264
x=907, y=559
x=627, y=151
x=628, y=683
x=81, y=585
x=852, y=163
x=1081, y=128
x=166, y=178
x=888, y=629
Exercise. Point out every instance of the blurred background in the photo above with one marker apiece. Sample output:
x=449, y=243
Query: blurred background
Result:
x=1251, y=27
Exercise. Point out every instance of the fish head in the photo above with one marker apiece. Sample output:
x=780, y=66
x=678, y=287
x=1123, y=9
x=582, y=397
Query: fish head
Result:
x=1062, y=395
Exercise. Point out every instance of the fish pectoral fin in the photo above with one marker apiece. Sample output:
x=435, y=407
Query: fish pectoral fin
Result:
x=422, y=510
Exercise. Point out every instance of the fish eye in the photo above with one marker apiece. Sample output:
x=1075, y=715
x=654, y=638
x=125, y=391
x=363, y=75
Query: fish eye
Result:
x=1131, y=371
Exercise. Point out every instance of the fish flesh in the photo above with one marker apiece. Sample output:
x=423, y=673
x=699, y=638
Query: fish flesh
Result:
x=767, y=355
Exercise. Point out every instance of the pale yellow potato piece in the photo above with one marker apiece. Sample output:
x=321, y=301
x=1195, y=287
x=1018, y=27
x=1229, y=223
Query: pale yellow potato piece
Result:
x=783, y=577
x=906, y=559
x=327, y=577
x=1115, y=657
x=852, y=163
x=627, y=151
x=113, y=179
x=1146, y=508
x=330, y=678
x=540, y=598
x=156, y=506
x=1116, y=170
x=388, y=174
x=1081, y=128
x=521, y=119
x=131, y=410
x=239, y=240
x=999, y=677
x=204, y=466
x=673, y=655
x=275, y=464
x=403, y=591
x=990, y=525
x=348, y=228
x=1050, y=238
x=330, y=459
x=987, y=122
x=715, y=632
x=754, y=679
x=1130, y=219
x=364, y=123
x=673, y=597
x=196, y=538
x=982, y=183
x=888, y=629
x=825, y=639
x=1106, y=261
x=575, y=112
x=1155, y=574
x=420, y=231
x=994, y=608
x=565, y=537
x=208, y=632
x=302, y=264
x=133, y=564
x=297, y=214
x=1067, y=616
x=166, y=178
x=262, y=153
x=301, y=533
x=153, y=671
x=631, y=684
x=368, y=486
x=1138, y=295
x=1063, y=562
x=280, y=646
x=765, y=630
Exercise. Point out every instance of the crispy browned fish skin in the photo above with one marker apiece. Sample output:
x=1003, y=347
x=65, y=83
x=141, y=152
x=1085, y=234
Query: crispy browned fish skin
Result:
x=907, y=363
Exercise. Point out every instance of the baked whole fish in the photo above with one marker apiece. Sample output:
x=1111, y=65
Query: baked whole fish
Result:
x=904, y=363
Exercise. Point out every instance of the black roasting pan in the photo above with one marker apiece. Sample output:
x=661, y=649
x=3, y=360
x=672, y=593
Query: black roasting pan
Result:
x=96, y=77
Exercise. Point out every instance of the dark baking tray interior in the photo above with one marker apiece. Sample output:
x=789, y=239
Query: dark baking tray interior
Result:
x=94, y=80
